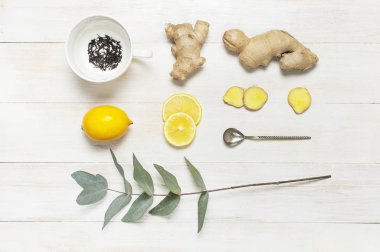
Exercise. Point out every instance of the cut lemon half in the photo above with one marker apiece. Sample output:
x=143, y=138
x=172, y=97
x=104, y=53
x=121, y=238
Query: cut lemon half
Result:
x=179, y=129
x=182, y=103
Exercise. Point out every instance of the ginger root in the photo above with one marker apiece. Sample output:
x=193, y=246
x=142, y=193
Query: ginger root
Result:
x=255, y=98
x=187, y=47
x=259, y=50
x=234, y=97
x=299, y=99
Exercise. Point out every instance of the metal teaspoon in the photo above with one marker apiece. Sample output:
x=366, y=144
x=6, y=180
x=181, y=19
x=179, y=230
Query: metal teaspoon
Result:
x=233, y=137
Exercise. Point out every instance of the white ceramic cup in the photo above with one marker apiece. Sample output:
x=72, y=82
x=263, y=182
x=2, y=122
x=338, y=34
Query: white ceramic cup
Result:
x=76, y=47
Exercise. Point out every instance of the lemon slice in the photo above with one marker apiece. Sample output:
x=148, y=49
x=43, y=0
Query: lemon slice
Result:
x=182, y=103
x=179, y=129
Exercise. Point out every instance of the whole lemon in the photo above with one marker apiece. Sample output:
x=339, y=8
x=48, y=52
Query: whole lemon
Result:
x=105, y=123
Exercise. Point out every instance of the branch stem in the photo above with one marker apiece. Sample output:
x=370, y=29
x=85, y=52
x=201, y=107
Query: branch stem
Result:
x=310, y=179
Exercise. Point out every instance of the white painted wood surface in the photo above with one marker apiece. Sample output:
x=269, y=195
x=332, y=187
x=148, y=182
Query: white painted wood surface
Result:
x=41, y=144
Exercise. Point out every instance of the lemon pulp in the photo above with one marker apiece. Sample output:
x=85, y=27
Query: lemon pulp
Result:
x=185, y=103
x=179, y=129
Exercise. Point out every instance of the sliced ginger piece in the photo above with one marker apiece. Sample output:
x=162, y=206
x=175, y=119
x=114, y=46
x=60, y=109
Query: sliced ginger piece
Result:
x=299, y=99
x=255, y=98
x=234, y=97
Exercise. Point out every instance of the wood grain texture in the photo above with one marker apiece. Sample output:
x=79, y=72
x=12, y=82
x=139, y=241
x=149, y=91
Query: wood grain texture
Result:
x=310, y=21
x=42, y=103
x=350, y=196
x=51, y=132
x=338, y=78
x=246, y=236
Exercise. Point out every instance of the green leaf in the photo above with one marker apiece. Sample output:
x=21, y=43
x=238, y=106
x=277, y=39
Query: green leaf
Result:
x=142, y=177
x=167, y=205
x=196, y=175
x=92, y=194
x=94, y=187
x=169, y=179
x=127, y=185
x=84, y=179
x=116, y=206
x=202, y=208
x=138, y=208
x=203, y=198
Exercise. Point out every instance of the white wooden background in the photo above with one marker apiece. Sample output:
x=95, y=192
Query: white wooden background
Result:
x=42, y=103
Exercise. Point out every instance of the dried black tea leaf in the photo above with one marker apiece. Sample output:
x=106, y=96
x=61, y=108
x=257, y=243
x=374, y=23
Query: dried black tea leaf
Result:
x=104, y=52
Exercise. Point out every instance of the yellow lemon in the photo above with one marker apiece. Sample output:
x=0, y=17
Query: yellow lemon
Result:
x=179, y=129
x=105, y=123
x=182, y=103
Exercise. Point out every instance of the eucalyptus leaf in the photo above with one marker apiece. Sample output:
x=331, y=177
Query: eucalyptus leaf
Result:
x=167, y=205
x=127, y=185
x=92, y=194
x=116, y=206
x=84, y=179
x=142, y=177
x=196, y=175
x=94, y=187
x=202, y=208
x=138, y=208
x=169, y=179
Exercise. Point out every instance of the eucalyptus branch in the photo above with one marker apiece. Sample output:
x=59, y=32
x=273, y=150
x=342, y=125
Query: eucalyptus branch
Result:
x=281, y=182
x=95, y=188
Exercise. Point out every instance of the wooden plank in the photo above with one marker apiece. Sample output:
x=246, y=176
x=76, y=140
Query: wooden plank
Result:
x=217, y=236
x=39, y=73
x=342, y=133
x=42, y=103
x=310, y=21
x=46, y=192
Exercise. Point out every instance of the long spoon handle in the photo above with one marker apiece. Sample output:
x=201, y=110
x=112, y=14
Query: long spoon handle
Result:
x=277, y=137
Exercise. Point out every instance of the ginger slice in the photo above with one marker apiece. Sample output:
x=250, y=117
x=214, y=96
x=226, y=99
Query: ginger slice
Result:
x=234, y=96
x=255, y=98
x=299, y=99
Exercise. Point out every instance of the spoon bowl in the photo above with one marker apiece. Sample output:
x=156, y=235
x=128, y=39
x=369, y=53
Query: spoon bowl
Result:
x=233, y=137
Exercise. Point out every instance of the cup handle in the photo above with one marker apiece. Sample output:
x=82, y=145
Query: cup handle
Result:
x=142, y=53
